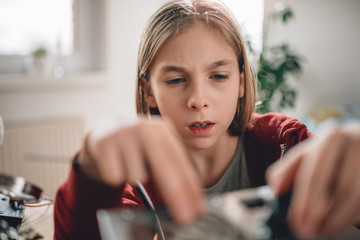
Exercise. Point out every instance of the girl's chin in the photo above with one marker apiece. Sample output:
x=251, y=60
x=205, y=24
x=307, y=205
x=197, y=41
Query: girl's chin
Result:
x=199, y=144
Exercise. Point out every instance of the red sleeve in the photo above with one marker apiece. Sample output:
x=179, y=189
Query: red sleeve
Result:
x=277, y=128
x=79, y=198
x=265, y=134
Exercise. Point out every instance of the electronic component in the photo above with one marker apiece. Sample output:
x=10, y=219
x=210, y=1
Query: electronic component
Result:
x=245, y=214
x=10, y=211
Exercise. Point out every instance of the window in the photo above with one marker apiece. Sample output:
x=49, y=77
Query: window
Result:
x=50, y=27
x=250, y=15
x=28, y=25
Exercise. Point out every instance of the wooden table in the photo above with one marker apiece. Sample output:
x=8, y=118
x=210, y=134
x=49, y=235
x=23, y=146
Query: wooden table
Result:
x=40, y=219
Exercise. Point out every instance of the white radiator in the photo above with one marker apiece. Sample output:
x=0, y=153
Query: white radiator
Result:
x=41, y=151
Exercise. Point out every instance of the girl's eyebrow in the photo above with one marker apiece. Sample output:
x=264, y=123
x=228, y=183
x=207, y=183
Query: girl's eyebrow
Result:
x=219, y=63
x=172, y=69
x=210, y=66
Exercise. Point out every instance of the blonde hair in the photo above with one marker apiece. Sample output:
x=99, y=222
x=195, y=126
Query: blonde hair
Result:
x=177, y=15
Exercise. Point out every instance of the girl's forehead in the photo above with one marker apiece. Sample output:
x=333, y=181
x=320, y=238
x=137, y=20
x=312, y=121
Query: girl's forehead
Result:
x=197, y=28
x=196, y=43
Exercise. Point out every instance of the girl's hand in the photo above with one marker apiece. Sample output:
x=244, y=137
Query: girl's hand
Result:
x=115, y=155
x=325, y=175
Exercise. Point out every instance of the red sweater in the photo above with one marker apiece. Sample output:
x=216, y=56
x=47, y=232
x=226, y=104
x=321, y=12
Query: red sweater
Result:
x=79, y=198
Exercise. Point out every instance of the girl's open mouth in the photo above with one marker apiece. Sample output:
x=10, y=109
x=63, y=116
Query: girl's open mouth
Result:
x=201, y=129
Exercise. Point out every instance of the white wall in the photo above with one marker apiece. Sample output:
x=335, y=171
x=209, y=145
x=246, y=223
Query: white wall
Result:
x=327, y=34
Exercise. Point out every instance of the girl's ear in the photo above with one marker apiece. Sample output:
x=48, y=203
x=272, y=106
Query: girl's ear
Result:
x=242, y=84
x=149, y=97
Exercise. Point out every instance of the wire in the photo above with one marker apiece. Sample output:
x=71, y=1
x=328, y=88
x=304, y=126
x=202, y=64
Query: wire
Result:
x=51, y=202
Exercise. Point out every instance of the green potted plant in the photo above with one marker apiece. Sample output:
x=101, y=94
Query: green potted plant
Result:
x=40, y=52
x=41, y=61
x=275, y=65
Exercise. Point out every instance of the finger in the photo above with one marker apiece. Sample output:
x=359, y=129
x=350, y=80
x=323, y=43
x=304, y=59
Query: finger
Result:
x=346, y=208
x=133, y=159
x=108, y=161
x=178, y=184
x=280, y=175
x=313, y=183
x=175, y=178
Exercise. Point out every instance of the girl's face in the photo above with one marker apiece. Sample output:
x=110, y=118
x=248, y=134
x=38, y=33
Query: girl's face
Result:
x=196, y=83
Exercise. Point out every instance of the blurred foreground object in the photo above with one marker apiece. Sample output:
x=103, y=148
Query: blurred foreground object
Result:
x=240, y=214
x=250, y=214
x=19, y=189
x=15, y=195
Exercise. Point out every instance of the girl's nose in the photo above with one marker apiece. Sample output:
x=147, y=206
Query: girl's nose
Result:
x=197, y=100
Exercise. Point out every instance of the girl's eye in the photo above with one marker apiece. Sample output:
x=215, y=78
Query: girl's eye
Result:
x=175, y=81
x=219, y=77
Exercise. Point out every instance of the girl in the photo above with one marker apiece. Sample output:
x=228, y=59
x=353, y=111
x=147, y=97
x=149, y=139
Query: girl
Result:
x=193, y=72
